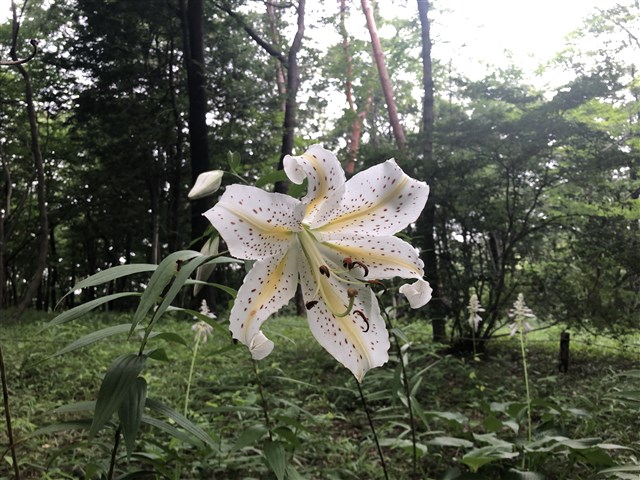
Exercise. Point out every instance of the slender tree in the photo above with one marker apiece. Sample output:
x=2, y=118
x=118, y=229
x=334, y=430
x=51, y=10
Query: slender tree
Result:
x=192, y=18
x=38, y=165
x=436, y=306
x=385, y=81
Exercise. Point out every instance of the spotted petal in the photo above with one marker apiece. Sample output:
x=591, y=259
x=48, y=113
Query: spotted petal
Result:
x=384, y=257
x=256, y=224
x=269, y=286
x=324, y=174
x=381, y=200
x=358, y=340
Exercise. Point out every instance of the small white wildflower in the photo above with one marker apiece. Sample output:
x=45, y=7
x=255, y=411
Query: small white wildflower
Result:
x=520, y=312
x=474, y=308
x=203, y=329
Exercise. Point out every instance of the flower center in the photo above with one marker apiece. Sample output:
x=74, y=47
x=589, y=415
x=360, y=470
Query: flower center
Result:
x=324, y=272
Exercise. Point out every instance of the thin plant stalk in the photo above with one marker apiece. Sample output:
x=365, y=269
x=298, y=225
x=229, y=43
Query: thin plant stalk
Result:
x=263, y=401
x=407, y=392
x=526, y=383
x=114, y=452
x=7, y=416
x=373, y=430
x=193, y=364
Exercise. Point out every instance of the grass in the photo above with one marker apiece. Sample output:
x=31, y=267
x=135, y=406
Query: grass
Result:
x=313, y=408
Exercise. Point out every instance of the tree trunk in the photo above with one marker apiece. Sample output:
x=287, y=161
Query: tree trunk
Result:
x=38, y=164
x=437, y=308
x=293, y=83
x=192, y=18
x=385, y=81
x=275, y=39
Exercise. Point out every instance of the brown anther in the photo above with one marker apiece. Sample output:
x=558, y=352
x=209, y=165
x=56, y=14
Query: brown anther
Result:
x=362, y=266
x=311, y=304
x=347, y=263
x=324, y=270
x=364, y=317
x=379, y=283
x=352, y=292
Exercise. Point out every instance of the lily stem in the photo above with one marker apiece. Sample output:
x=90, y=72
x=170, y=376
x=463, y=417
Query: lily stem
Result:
x=407, y=393
x=114, y=452
x=373, y=430
x=263, y=401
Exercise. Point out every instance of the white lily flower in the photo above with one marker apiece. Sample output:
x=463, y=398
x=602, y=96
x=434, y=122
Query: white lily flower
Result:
x=337, y=237
x=206, y=184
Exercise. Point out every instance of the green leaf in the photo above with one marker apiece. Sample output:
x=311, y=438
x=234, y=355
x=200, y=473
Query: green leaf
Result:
x=94, y=337
x=62, y=427
x=80, y=310
x=170, y=337
x=116, y=383
x=182, y=421
x=250, y=436
x=234, y=161
x=76, y=407
x=481, y=456
x=159, y=354
x=514, y=474
x=276, y=458
x=159, y=280
x=111, y=274
x=231, y=291
x=173, y=431
x=621, y=469
x=130, y=412
x=271, y=177
x=186, y=269
x=450, y=442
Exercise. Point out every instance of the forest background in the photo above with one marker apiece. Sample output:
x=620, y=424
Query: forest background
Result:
x=534, y=185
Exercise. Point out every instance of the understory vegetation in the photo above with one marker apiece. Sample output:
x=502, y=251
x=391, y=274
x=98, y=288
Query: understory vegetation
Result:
x=469, y=412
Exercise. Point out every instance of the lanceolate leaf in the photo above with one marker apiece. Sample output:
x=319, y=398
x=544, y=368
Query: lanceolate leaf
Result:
x=173, y=431
x=181, y=420
x=94, y=337
x=186, y=269
x=130, y=412
x=115, y=386
x=111, y=274
x=159, y=280
x=276, y=458
x=80, y=310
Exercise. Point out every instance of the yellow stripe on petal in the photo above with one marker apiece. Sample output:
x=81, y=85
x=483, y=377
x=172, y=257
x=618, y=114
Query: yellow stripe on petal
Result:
x=269, y=286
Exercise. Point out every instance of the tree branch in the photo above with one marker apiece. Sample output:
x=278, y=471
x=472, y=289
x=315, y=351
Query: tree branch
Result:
x=267, y=47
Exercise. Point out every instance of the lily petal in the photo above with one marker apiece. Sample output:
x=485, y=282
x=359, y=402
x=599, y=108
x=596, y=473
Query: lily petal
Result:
x=269, y=286
x=204, y=272
x=384, y=257
x=418, y=294
x=323, y=171
x=256, y=224
x=260, y=346
x=381, y=200
x=358, y=340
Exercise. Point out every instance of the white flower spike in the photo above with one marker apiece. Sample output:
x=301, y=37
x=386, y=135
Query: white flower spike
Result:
x=474, y=309
x=333, y=242
x=206, y=184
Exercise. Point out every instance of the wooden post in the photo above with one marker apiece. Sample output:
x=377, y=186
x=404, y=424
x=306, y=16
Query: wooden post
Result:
x=565, y=338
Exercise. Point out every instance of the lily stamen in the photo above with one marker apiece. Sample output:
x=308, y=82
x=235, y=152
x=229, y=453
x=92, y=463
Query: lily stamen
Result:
x=348, y=263
x=377, y=282
x=364, y=317
x=324, y=270
x=311, y=304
